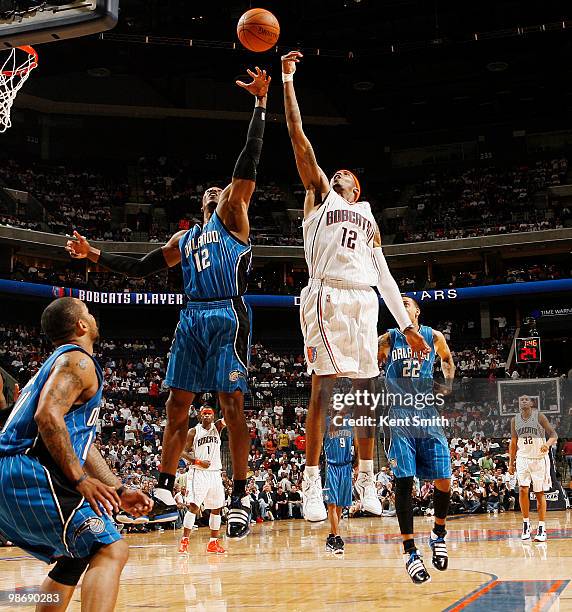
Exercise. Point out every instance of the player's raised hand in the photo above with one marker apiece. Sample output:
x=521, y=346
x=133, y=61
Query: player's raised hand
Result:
x=289, y=61
x=136, y=503
x=78, y=246
x=416, y=341
x=259, y=85
x=96, y=493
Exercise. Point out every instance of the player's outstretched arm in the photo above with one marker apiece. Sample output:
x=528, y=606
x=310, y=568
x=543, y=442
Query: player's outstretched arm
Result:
x=312, y=176
x=391, y=295
x=235, y=199
x=167, y=256
x=72, y=380
x=550, y=432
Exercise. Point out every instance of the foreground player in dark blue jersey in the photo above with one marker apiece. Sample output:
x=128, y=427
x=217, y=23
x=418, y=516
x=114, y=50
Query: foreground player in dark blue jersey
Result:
x=418, y=443
x=56, y=491
x=211, y=348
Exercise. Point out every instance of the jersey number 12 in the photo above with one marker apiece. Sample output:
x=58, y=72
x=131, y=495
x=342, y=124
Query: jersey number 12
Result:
x=202, y=261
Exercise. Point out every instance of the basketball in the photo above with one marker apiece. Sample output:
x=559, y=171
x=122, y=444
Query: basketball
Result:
x=258, y=30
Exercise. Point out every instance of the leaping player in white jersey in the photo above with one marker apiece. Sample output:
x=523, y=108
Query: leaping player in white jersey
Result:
x=339, y=307
x=204, y=480
x=529, y=454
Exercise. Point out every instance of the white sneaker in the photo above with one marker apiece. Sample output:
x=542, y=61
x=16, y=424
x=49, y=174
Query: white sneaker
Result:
x=540, y=534
x=525, y=531
x=312, y=500
x=367, y=493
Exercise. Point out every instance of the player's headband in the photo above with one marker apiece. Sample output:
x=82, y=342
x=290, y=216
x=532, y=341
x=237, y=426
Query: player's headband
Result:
x=207, y=410
x=356, y=181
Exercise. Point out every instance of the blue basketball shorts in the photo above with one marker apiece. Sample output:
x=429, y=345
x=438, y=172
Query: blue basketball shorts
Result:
x=211, y=347
x=43, y=515
x=338, y=488
x=418, y=449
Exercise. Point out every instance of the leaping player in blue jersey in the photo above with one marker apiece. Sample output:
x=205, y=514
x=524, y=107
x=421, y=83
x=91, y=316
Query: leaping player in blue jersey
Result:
x=56, y=490
x=418, y=444
x=211, y=347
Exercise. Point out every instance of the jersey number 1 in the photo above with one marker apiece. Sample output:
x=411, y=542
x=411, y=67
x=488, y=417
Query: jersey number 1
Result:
x=202, y=261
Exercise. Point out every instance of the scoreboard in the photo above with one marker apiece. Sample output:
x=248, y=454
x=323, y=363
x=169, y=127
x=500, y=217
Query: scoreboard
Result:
x=528, y=350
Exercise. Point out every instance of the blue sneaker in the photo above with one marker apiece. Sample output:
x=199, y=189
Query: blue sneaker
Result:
x=161, y=513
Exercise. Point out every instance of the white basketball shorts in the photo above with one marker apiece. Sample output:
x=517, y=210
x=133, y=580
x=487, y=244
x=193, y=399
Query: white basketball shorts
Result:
x=535, y=470
x=205, y=487
x=339, y=325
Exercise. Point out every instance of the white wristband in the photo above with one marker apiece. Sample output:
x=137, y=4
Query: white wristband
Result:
x=287, y=77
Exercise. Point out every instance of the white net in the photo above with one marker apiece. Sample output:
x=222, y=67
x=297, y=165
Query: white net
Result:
x=13, y=74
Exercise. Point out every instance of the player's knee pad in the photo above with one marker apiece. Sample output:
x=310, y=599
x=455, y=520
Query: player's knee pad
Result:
x=404, y=503
x=68, y=571
x=441, y=503
x=189, y=520
x=214, y=522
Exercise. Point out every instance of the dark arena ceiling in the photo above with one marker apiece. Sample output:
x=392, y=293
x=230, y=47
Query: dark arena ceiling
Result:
x=402, y=65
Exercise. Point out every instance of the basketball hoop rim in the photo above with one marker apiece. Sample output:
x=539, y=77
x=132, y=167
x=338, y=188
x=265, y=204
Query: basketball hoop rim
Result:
x=23, y=71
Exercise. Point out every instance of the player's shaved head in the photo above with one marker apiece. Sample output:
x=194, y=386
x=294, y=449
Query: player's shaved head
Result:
x=61, y=318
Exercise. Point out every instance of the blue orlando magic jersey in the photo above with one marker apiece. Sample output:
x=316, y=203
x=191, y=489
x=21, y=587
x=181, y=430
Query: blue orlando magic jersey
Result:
x=215, y=263
x=405, y=376
x=338, y=443
x=20, y=433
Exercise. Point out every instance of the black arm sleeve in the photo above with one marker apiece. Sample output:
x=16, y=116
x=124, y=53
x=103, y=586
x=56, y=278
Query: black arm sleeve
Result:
x=130, y=266
x=249, y=157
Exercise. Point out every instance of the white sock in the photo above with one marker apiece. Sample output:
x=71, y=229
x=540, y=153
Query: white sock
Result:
x=526, y=520
x=189, y=520
x=541, y=524
x=213, y=540
x=165, y=496
x=366, y=465
x=312, y=471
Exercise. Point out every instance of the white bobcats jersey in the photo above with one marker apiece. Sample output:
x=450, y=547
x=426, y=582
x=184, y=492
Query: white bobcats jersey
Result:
x=530, y=434
x=206, y=447
x=338, y=242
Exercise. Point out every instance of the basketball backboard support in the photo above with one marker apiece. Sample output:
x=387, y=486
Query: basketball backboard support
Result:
x=33, y=22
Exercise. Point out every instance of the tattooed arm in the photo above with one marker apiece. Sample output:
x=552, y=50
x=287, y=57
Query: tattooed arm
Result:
x=134, y=502
x=96, y=466
x=383, y=346
x=73, y=380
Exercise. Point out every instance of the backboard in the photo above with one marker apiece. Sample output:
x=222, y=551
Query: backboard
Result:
x=33, y=22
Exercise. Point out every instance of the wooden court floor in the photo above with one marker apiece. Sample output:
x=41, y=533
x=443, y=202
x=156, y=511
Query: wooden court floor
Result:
x=283, y=565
